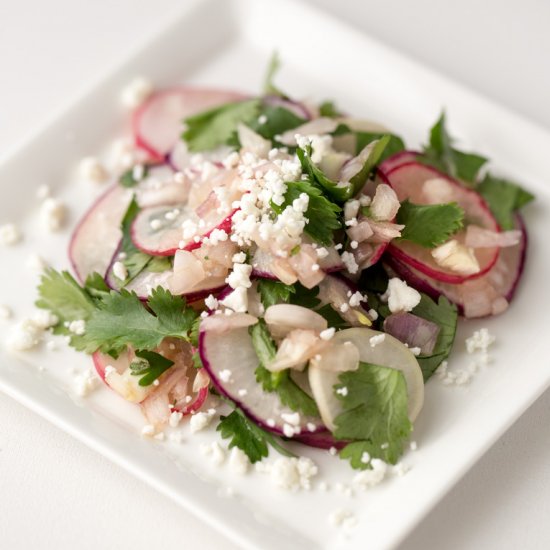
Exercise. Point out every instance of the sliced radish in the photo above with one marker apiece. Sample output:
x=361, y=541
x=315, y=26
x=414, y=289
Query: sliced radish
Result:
x=158, y=230
x=158, y=123
x=102, y=360
x=96, y=237
x=486, y=295
x=295, y=107
x=320, y=440
x=388, y=353
x=414, y=181
x=160, y=187
x=403, y=157
x=231, y=362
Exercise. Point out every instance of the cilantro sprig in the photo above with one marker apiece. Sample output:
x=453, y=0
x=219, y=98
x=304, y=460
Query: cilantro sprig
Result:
x=429, y=225
x=374, y=416
x=248, y=436
x=149, y=365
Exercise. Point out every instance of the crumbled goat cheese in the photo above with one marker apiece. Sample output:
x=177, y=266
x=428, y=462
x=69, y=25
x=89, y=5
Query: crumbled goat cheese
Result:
x=24, y=336
x=36, y=263
x=342, y=391
x=43, y=192
x=176, y=437
x=138, y=172
x=44, y=319
x=86, y=382
x=344, y=307
x=159, y=436
x=291, y=418
x=215, y=451
x=321, y=252
x=242, y=392
x=199, y=421
x=120, y=271
x=355, y=299
x=311, y=426
x=148, y=430
x=92, y=170
x=365, y=457
x=225, y=375
x=343, y=518
x=327, y=334
x=416, y=350
x=237, y=300
x=413, y=446
x=375, y=340
x=77, y=327
x=240, y=276
x=400, y=296
x=293, y=473
x=400, y=469
x=211, y=302
x=349, y=261
x=290, y=431
x=369, y=478
x=365, y=200
x=5, y=312
x=456, y=257
x=9, y=234
x=53, y=213
x=238, y=461
x=333, y=451
x=320, y=145
x=480, y=340
x=136, y=92
x=351, y=209
x=239, y=258
x=175, y=418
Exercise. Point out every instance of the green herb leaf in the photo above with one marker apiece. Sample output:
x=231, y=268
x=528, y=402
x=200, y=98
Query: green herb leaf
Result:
x=373, y=159
x=355, y=451
x=210, y=129
x=274, y=292
x=322, y=214
x=64, y=297
x=395, y=143
x=149, y=366
x=248, y=437
x=504, y=198
x=288, y=391
x=445, y=315
x=275, y=120
x=269, y=87
x=122, y=320
x=328, y=109
x=127, y=178
x=429, y=225
x=442, y=155
x=333, y=189
x=374, y=410
x=96, y=286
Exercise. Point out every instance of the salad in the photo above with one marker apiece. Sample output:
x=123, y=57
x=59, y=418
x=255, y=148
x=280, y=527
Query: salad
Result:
x=300, y=264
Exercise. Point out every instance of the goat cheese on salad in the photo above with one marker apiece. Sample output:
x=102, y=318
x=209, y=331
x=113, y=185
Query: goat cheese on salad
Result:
x=300, y=264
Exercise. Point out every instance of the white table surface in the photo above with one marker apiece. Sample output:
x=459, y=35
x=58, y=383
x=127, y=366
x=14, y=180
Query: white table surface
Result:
x=55, y=492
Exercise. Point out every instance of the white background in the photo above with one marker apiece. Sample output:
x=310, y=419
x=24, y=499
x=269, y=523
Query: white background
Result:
x=54, y=492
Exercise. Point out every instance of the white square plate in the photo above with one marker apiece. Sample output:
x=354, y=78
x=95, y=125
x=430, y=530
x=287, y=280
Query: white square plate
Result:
x=227, y=43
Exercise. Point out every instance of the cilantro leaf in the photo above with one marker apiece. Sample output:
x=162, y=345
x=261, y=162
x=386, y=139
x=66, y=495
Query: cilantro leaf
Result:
x=272, y=69
x=248, y=437
x=215, y=127
x=127, y=179
x=442, y=155
x=333, y=189
x=278, y=120
x=288, y=391
x=373, y=158
x=504, y=198
x=64, y=297
x=149, y=366
x=355, y=450
x=95, y=286
x=322, y=214
x=328, y=109
x=374, y=410
x=445, y=315
x=122, y=320
x=395, y=143
x=429, y=225
x=274, y=292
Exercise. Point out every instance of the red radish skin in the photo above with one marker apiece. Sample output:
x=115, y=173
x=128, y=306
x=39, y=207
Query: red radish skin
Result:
x=504, y=277
x=98, y=233
x=407, y=180
x=157, y=123
x=398, y=159
x=196, y=404
x=320, y=440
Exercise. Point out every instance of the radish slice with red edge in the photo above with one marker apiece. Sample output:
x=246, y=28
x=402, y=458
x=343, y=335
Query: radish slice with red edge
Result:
x=158, y=123
x=481, y=297
x=420, y=184
x=403, y=157
x=96, y=237
x=230, y=359
x=157, y=230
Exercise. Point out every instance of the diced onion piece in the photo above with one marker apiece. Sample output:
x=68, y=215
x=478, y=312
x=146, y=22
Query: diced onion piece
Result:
x=252, y=142
x=127, y=385
x=306, y=265
x=412, y=330
x=188, y=272
x=384, y=232
x=201, y=380
x=284, y=271
x=317, y=126
x=360, y=232
x=456, y=257
x=296, y=349
x=385, y=204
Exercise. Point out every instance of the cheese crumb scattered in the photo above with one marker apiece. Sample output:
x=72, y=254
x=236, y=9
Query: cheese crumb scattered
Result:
x=92, y=170
x=400, y=296
x=238, y=461
x=293, y=473
x=199, y=421
x=120, y=271
x=24, y=336
x=343, y=518
x=175, y=418
x=327, y=334
x=53, y=213
x=36, y=262
x=9, y=234
x=86, y=382
x=5, y=312
x=370, y=478
x=375, y=340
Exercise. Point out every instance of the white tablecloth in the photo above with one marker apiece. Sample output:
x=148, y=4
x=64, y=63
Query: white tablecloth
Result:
x=56, y=493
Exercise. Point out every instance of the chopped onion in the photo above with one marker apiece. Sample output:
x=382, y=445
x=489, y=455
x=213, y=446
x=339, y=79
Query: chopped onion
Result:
x=412, y=330
x=225, y=323
x=296, y=349
x=354, y=165
x=384, y=232
x=253, y=142
x=306, y=266
x=188, y=272
x=282, y=318
x=360, y=232
x=385, y=204
x=456, y=257
x=282, y=269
